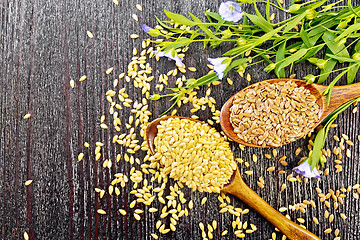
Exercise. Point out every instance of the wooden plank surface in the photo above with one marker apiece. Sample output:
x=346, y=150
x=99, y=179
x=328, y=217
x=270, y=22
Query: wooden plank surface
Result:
x=43, y=45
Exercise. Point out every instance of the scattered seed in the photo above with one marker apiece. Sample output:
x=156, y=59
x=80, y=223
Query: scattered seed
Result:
x=28, y=182
x=28, y=115
x=135, y=17
x=90, y=34
x=101, y=211
x=139, y=7
x=83, y=78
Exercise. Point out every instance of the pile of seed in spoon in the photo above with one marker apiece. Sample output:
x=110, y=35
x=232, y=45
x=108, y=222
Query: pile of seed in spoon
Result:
x=273, y=114
x=194, y=154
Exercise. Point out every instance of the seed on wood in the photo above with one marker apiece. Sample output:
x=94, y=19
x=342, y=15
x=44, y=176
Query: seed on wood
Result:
x=101, y=211
x=203, y=200
x=297, y=152
x=331, y=218
x=336, y=232
x=328, y=230
x=122, y=211
x=26, y=236
x=343, y=216
x=28, y=182
x=270, y=169
x=83, y=78
x=139, y=7
x=300, y=220
x=284, y=163
x=326, y=214
x=267, y=155
x=90, y=34
x=282, y=209
x=135, y=17
x=315, y=220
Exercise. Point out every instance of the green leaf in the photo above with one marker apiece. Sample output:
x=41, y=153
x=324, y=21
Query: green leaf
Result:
x=352, y=9
x=342, y=59
x=290, y=25
x=293, y=57
x=339, y=110
x=238, y=50
x=304, y=36
x=357, y=47
x=280, y=55
x=266, y=36
x=236, y=63
x=202, y=27
x=318, y=146
x=267, y=11
x=350, y=29
x=179, y=18
x=328, y=90
x=311, y=52
x=353, y=69
x=260, y=22
x=329, y=66
x=325, y=72
x=340, y=51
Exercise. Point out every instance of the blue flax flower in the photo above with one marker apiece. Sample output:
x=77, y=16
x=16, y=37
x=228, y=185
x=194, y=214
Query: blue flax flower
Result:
x=151, y=31
x=230, y=11
x=305, y=170
x=220, y=64
x=146, y=28
x=171, y=55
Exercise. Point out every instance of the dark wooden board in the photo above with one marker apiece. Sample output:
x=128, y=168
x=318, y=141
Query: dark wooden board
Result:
x=43, y=45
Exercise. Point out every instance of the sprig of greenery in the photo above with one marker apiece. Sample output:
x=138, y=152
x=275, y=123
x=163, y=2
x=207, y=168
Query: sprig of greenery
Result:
x=319, y=28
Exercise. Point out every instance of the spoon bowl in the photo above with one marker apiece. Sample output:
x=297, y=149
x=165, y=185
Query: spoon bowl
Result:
x=237, y=187
x=339, y=96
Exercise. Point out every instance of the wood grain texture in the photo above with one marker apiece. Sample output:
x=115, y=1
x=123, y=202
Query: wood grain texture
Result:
x=43, y=45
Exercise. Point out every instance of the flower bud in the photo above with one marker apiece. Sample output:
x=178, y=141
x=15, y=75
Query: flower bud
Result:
x=241, y=41
x=155, y=97
x=342, y=25
x=226, y=34
x=310, y=14
x=356, y=56
x=341, y=42
x=321, y=63
x=313, y=60
x=270, y=67
x=292, y=50
x=190, y=81
x=242, y=67
x=309, y=78
x=294, y=8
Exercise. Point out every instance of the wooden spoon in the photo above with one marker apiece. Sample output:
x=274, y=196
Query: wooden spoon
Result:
x=241, y=190
x=339, y=96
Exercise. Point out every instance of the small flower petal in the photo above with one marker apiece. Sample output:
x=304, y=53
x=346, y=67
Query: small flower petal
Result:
x=305, y=170
x=220, y=64
x=230, y=11
x=171, y=55
x=146, y=28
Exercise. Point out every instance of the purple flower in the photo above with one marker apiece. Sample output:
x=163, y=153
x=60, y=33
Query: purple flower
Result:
x=230, y=11
x=220, y=64
x=305, y=170
x=151, y=31
x=171, y=55
x=146, y=28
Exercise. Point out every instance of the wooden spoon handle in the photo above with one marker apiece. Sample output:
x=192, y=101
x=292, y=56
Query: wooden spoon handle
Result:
x=339, y=96
x=292, y=230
